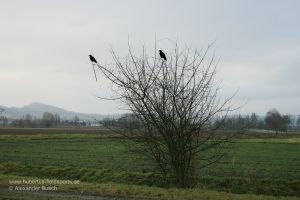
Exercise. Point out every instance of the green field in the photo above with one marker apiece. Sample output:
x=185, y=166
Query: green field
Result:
x=269, y=166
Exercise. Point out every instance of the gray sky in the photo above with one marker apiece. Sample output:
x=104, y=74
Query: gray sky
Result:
x=44, y=47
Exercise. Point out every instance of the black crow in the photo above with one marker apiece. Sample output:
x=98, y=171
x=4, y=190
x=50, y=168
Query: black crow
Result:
x=162, y=55
x=93, y=59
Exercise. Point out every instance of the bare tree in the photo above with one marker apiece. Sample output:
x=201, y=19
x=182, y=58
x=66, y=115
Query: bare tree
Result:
x=76, y=121
x=298, y=122
x=57, y=119
x=48, y=119
x=175, y=101
x=277, y=122
x=3, y=119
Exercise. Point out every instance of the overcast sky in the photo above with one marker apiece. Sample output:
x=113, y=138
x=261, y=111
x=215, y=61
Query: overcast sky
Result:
x=44, y=47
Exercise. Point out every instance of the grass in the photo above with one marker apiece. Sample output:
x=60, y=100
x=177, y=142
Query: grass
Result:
x=89, y=152
x=258, y=166
x=83, y=190
x=52, y=131
x=277, y=159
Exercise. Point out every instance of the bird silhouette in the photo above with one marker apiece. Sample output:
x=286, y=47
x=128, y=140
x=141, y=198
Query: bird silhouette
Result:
x=93, y=60
x=162, y=55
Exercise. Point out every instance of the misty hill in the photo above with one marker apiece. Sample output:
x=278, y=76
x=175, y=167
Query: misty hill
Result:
x=38, y=109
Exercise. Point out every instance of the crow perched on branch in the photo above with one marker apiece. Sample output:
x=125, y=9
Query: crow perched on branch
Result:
x=162, y=55
x=92, y=59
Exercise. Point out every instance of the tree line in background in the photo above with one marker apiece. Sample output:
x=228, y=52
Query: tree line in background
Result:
x=272, y=121
x=48, y=120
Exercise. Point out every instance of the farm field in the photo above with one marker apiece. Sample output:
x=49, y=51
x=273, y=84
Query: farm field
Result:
x=268, y=166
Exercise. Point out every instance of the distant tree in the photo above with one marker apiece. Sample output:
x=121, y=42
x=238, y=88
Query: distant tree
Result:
x=56, y=119
x=48, y=119
x=109, y=122
x=277, y=122
x=237, y=122
x=76, y=121
x=254, y=120
x=298, y=122
x=3, y=120
x=27, y=120
x=18, y=123
x=129, y=123
x=286, y=121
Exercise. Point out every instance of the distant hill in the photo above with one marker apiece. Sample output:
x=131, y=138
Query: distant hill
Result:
x=38, y=109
